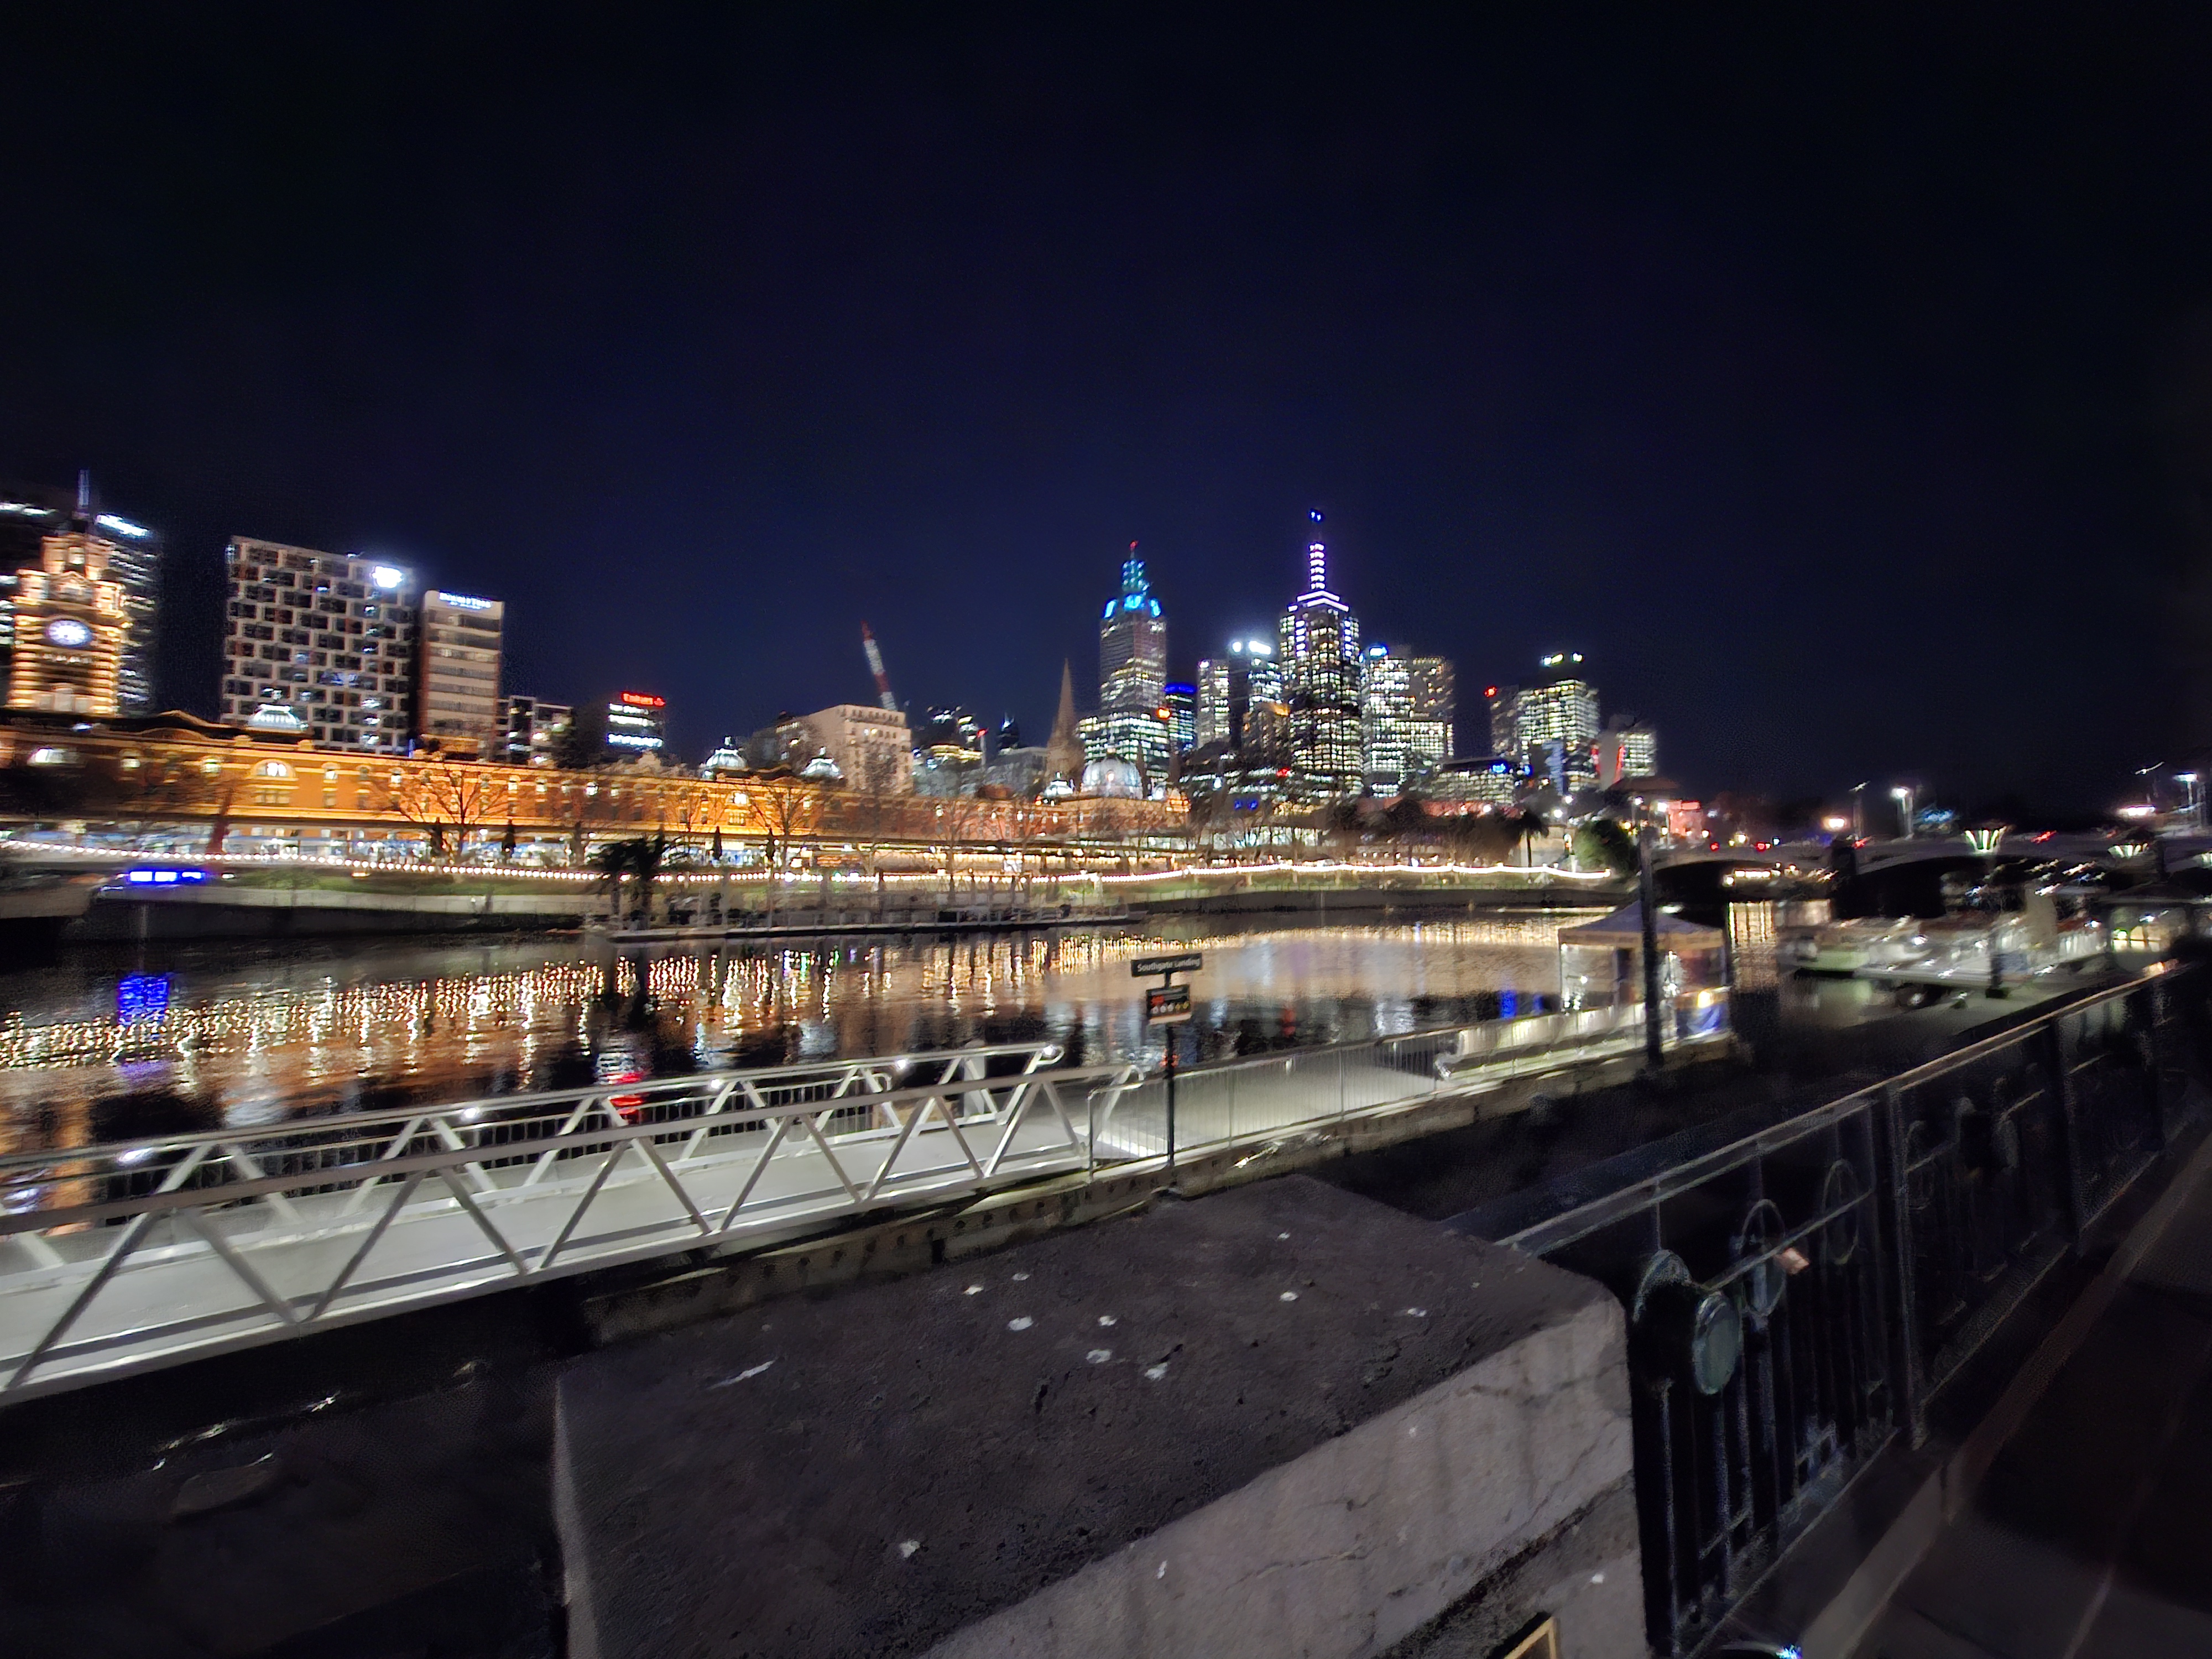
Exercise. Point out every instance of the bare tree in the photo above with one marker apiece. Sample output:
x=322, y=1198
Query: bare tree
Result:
x=874, y=798
x=436, y=794
x=957, y=821
x=788, y=809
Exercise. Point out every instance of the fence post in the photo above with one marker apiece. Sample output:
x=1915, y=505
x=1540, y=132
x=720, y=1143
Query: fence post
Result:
x=2069, y=1123
x=1893, y=1167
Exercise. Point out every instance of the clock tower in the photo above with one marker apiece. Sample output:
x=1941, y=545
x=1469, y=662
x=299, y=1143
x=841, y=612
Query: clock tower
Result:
x=70, y=628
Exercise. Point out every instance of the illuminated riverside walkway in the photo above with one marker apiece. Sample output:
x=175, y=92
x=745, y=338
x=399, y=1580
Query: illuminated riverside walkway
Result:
x=125, y=1255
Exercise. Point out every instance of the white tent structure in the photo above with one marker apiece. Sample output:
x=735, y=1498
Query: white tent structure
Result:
x=1601, y=962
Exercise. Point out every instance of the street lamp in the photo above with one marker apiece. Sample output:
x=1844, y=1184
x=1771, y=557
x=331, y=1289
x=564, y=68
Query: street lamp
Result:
x=1902, y=794
x=1859, y=810
x=2190, y=800
x=1985, y=842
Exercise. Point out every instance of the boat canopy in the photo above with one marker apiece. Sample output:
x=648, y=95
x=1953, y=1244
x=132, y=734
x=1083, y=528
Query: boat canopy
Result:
x=1623, y=930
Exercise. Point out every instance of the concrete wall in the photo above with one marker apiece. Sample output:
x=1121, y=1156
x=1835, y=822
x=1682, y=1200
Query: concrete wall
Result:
x=1277, y=1420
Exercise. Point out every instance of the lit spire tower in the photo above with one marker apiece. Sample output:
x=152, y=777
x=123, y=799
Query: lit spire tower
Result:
x=1133, y=671
x=1320, y=673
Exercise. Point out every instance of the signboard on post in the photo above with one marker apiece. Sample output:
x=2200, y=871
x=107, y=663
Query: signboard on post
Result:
x=1168, y=1005
x=1146, y=967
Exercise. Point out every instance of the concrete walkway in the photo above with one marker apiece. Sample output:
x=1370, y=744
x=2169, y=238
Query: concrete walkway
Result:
x=2091, y=1535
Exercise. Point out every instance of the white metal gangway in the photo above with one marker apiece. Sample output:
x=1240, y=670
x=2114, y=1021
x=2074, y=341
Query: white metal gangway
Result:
x=130, y=1254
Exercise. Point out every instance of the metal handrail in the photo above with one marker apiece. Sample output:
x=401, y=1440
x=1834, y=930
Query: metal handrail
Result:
x=1036, y=1055
x=115, y=1281
x=1543, y=1236
x=1797, y=1296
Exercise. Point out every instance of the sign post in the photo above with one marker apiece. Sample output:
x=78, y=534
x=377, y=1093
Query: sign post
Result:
x=1168, y=1004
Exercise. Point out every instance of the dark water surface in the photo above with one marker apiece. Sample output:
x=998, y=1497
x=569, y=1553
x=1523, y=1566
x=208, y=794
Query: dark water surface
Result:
x=113, y=1043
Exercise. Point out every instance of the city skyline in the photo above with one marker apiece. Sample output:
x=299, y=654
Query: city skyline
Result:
x=910, y=347
x=1132, y=679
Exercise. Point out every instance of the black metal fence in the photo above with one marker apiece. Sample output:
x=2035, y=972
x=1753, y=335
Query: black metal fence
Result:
x=1799, y=1296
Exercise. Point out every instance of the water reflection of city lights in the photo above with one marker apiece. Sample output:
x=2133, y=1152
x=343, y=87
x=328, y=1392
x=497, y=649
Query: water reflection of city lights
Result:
x=246, y=1044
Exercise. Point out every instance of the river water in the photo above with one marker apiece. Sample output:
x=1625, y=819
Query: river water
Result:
x=114, y=1044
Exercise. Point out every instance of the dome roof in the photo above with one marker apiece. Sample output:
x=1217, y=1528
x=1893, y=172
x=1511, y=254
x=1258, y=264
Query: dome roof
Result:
x=1113, y=776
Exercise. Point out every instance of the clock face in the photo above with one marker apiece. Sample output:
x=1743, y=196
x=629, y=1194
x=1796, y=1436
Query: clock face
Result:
x=68, y=633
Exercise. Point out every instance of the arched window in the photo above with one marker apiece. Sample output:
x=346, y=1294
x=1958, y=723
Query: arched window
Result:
x=272, y=769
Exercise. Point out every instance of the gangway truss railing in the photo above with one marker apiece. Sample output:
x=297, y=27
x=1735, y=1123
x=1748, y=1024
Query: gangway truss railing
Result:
x=133, y=1252
x=126, y=1254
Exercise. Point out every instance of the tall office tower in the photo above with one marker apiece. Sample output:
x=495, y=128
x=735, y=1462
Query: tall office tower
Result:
x=534, y=730
x=1133, y=671
x=1178, y=711
x=1436, y=706
x=71, y=623
x=1556, y=724
x=1626, y=749
x=1209, y=720
x=1321, y=675
x=1228, y=685
x=321, y=645
x=637, y=726
x=28, y=515
x=1386, y=721
x=1505, y=734
x=457, y=703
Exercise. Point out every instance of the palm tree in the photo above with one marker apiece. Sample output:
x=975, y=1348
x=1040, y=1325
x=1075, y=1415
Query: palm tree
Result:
x=1530, y=825
x=612, y=861
x=647, y=854
x=639, y=859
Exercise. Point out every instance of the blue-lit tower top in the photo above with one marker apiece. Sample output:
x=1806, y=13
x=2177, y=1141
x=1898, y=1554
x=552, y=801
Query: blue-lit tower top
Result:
x=1133, y=671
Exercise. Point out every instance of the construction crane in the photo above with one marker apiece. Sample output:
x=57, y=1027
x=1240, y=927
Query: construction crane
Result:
x=876, y=667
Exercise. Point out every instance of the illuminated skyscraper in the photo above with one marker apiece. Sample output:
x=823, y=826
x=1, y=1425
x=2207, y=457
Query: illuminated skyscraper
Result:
x=321, y=645
x=637, y=726
x=1555, y=724
x=1436, y=706
x=1133, y=671
x=1504, y=734
x=458, y=704
x=1229, y=685
x=1179, y=710
x=1321, y=674
x=1626, y=749
x=1386, y=720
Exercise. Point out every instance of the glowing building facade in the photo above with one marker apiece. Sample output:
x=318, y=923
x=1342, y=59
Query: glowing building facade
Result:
x=1229, y=687
x=1386, y=721
x=1320, y=643
x=1178, y=711
x=70, y=625
x=1432, y=684
x=27, y=516
x=1626, y=749
x=1555, y=724
x=320, y=645
x=534, y=730
x=637, y=726
x=1133, y=671
x=458, y=705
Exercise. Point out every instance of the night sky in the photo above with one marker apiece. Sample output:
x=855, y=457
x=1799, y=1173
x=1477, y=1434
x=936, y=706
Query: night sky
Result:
x=1839, y=380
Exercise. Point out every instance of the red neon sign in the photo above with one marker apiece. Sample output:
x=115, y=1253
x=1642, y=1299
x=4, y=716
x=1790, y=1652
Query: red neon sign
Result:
x=643, y=700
